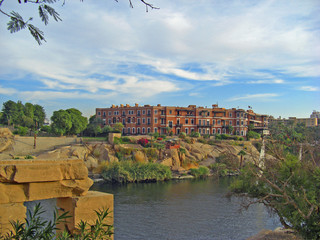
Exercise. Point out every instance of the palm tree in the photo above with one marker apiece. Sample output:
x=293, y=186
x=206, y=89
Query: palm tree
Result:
x=241, y=154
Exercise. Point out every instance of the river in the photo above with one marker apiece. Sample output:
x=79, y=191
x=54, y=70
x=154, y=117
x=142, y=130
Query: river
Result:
x=184, y=209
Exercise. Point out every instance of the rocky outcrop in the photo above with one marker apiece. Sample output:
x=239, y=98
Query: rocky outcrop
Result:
x=6, y=139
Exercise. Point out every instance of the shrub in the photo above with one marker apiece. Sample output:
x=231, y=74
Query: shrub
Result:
x=46, y=128
x=252, y=134
x=211, y=142
x=219, y=168
x=22, y=131
x=128, y=171
x=182, y=135
x=28, y=157
x=201, y=140
x=200, y=172
x=206, y=136
x=36, y=228
x=195, y=134
x=143, y=142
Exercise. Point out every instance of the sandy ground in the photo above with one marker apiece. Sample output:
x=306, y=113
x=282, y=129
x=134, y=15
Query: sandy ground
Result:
x=25, y=145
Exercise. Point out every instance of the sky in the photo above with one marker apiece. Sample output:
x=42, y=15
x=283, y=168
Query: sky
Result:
x=237, y=53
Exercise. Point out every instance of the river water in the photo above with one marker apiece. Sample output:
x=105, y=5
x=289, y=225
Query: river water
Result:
x=184, y=209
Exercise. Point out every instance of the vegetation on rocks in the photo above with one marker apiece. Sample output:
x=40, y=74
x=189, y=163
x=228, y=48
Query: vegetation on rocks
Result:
x=128, y=171
x=36, y=228
x=200, y=172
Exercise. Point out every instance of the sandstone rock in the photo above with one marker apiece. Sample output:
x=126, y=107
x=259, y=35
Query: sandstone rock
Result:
x=175, y=160
x=11, y=212
x=10, y=193
x=84, y=207
x=167, y=162
x=6, y=139
x=24, y=171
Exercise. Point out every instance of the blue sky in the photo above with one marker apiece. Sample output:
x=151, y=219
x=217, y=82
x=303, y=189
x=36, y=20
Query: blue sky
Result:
x=263, y=54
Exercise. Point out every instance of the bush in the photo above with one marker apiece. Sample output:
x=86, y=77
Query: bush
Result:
x=128, y=171
x=36, y=228
x=206, y=136
x=46, y=128
x=143, y=142
x=201, y=140
x=28, y=157
x=220, y=169
x=200, y=172
x=22, y=131
x=252, y=134
x=182, y=135
x=195, y=134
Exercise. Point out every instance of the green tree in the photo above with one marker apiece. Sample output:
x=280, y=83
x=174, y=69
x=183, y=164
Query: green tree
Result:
x=61, y=121
x=9, y=113
x=230, y=129
x=252, y=134
x=17, y=23
x=118, y=127
x=79, y=123
x=39, y=115
x=28, y=110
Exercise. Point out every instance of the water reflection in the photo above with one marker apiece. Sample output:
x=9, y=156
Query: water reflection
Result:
x=190, y=209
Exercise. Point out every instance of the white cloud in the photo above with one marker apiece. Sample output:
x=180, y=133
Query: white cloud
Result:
x=309, y=88
x=7, y=91
x=267, y=81
x=255, y=97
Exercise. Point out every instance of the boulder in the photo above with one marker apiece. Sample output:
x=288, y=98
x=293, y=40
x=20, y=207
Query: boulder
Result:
x=6, y=139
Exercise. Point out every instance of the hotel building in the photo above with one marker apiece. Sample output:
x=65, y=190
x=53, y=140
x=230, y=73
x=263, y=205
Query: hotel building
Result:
x=163, y=119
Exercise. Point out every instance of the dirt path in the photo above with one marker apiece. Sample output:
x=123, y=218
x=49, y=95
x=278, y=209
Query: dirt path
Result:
x=24, y=145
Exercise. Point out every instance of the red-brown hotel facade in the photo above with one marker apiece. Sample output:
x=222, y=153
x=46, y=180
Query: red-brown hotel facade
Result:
x=139, y=120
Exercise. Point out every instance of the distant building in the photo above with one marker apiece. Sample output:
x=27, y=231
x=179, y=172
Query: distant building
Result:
x=163, y=119
x=315, y=114
x=308, y=122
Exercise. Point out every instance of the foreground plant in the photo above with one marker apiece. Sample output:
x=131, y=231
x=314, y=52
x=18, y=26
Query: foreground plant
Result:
x=35, y=227
x=290, y=188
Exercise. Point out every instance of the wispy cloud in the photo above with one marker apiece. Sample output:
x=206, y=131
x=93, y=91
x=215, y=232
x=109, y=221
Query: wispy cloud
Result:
x=309, y=88
x=267, y=81
x=255, y=97
x=7, y=91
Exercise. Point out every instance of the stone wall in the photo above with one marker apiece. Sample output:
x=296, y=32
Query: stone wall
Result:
x=64, y=181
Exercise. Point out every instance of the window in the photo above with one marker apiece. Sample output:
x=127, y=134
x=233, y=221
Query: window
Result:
x=123, y=121
x=200, y=130
x=144, y=112
x=129, y=119
x=138, y=130
x=156, y=120
x=104, y=114
x=238, y=123
x=208, y=131
x=199, y=122
x=149, y=121
x=213, y=131
x=230, y=114
x=241, y=123
x=204, y=131
x=187, y=121
x=143, y=130
x=109, y=121
x=178, y=131
x=219, y=122
x=128, y=130
x=238, y=115
x=192, y=129
x=170, y=112
x=213, y=122
x=138, y=112
x=138, y=121
x=123, y=113
x=99, y=113
x=155, y=111
x=187, y=131
x=149, y=130
x=192, y=121
x=133, y=130
x=178, y=121
x=204, y=122
x=230, y=123
x=219, y=130
x=143, y=120
x=170, y=124
x=208, y=122
x=224, y=131
x=149, y=111
x=109, y=113
x=155, y=130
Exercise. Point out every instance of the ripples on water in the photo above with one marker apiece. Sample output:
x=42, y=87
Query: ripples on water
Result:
x=188, y=209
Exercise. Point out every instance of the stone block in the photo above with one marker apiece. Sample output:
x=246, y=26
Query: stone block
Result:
x=64, y=188
x=84, y=207
x=11, y=193
x=11, y=212
x=25, y=171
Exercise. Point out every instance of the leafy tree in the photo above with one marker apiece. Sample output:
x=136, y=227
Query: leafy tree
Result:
x=79, y=123
x=230, y=129
x=39, y=115
x=9, y=112
x=61, y=121
x=17, y=22
x=107, y=129
x=287, y=183
x=118, y=127
x=29, y=110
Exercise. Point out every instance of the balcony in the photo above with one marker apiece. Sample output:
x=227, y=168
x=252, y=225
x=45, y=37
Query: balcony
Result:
x=179, y=125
